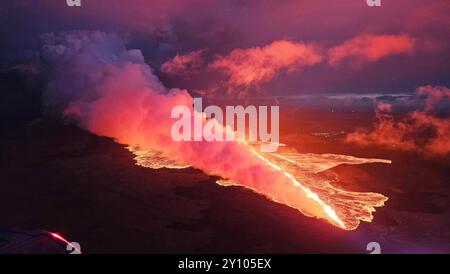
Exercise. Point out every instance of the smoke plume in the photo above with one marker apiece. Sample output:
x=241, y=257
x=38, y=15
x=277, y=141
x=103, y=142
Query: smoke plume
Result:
x=419, y=131
x=110, y=91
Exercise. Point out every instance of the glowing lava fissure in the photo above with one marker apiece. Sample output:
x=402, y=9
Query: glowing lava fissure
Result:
x=344, y=209
x=116, y=94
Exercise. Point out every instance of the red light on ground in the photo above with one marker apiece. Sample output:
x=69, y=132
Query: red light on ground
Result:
x=62, y=239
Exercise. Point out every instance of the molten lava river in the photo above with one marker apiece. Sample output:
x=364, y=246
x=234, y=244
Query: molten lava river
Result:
x=342, y=208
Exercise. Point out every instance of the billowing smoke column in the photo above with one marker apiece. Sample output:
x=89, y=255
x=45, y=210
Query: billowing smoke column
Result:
x=420, y=131
x=110, y=91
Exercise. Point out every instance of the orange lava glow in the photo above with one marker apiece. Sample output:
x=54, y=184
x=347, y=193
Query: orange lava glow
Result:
x=344, y=209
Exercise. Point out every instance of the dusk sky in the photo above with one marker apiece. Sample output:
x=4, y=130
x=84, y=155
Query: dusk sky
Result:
x=291, y=47
x=225, y=126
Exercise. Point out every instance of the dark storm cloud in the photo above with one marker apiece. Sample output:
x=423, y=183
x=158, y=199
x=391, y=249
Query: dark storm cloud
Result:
x=164, y=29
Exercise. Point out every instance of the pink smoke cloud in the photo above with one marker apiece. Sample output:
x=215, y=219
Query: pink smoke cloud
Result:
x=245, y=67
x=184, y=65
x=419, y=131
x=371, y=48
x=110, y=91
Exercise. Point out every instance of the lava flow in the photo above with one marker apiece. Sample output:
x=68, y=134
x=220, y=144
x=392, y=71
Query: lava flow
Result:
x=116, y=94
x=344, y=209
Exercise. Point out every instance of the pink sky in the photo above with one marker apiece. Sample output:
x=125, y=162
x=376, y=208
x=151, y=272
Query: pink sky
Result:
x=403, y=39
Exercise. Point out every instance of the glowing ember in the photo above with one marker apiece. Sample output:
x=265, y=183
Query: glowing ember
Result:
x=344, y=209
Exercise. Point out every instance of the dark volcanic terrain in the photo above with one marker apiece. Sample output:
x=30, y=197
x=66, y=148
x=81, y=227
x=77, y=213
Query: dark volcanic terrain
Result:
x=60, y=178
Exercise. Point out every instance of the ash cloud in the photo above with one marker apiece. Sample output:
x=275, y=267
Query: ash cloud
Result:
x=110, y=91
x=424, y=131
x=165, y=29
